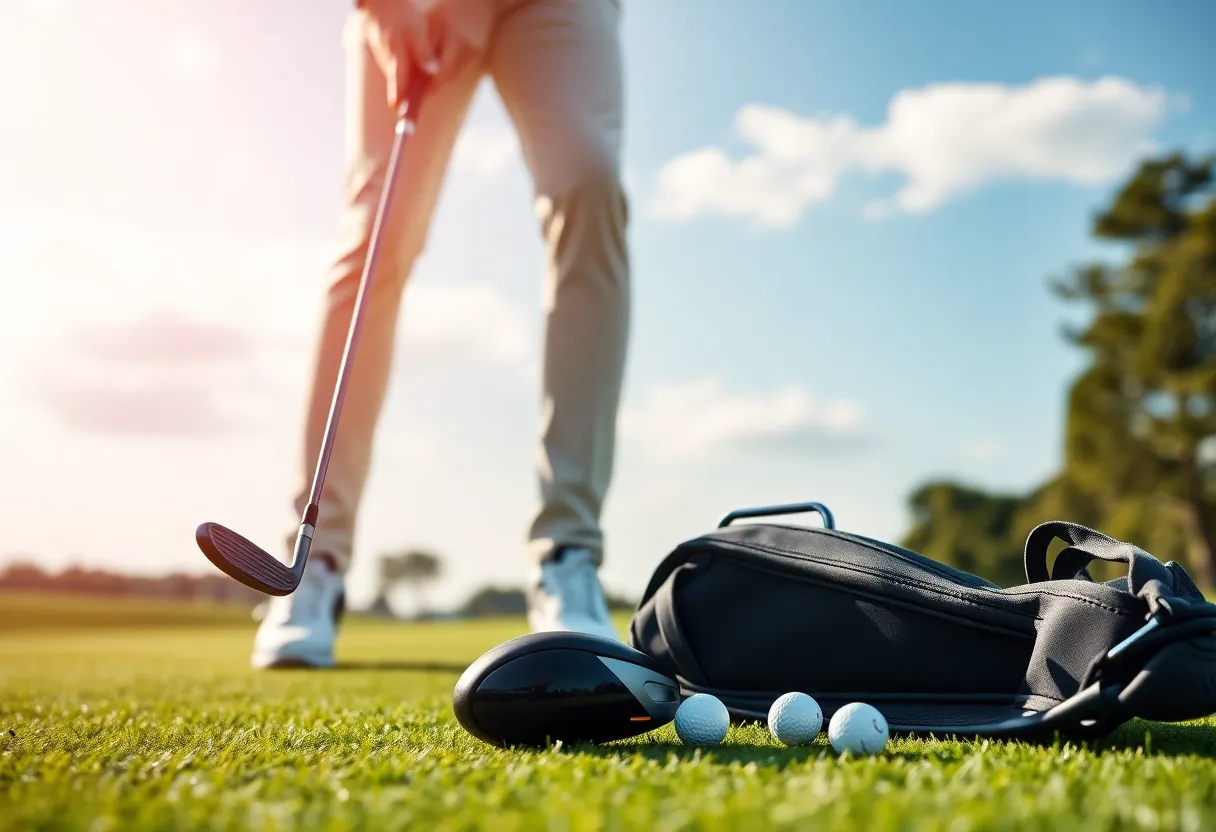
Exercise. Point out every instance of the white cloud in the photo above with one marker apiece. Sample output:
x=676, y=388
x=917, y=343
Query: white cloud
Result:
x=51, y=9
x=700, y=418
x=983, y=449
x=99, y=306
x=191, y=56
x=118, y=329
x=235, y=171
x=946, y=139
x=159, y=373
x=485, y=150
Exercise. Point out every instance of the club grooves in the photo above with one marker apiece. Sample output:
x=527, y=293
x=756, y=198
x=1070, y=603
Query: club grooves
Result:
x=243, y=560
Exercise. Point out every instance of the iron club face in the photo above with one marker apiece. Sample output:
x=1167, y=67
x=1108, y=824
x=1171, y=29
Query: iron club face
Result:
x=572, y=687
x=248, y=563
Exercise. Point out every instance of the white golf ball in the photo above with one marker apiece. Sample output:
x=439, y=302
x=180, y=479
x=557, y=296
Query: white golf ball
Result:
x=702, y=719
x=859, y=729
x=795, y=719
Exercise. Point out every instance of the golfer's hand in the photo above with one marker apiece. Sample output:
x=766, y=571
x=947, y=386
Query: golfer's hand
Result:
x=400, y=37
x=454, y=42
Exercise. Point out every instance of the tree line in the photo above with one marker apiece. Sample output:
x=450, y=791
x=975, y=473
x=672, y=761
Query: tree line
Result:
x=25, y=576
x=411, y=569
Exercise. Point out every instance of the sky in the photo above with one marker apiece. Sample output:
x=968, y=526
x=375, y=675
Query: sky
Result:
x=844, y=221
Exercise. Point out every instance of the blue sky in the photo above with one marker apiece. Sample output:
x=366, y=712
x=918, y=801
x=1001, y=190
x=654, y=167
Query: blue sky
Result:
x=184, y=160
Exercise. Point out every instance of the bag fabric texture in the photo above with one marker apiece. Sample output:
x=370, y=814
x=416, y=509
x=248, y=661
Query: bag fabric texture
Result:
x=749, y=612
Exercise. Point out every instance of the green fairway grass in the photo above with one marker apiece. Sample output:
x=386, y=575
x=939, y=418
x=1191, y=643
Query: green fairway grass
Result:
x=152, y=719
x=25, y=612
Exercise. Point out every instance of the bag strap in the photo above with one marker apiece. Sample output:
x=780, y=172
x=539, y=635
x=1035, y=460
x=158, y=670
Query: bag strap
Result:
x=1176, y=609
x=670, y=630
x=1085, y=546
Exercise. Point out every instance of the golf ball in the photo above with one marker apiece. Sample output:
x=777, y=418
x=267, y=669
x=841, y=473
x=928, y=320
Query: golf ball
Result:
x=795, y=719
x=859, y=729
x=702, y=719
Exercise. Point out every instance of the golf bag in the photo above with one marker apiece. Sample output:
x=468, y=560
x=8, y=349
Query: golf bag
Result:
x=751, y=611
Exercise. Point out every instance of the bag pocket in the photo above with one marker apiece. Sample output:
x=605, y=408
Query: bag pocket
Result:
x=730, y=624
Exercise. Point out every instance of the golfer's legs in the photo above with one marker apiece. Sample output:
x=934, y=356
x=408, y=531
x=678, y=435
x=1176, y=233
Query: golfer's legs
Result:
x=557, y=66
x=370, y=123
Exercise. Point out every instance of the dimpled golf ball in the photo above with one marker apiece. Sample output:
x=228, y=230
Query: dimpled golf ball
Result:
x=859, y=729
x=795, y=719
x=702, y=719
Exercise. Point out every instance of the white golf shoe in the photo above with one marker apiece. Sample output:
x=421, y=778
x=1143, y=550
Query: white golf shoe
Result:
x=298, y=630
x=566, y=595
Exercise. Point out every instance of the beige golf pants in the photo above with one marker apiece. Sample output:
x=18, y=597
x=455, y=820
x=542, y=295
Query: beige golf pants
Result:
x=556, y=65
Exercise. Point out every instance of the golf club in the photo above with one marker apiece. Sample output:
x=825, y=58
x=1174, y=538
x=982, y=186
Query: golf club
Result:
x=234, y=554
x=573, y=687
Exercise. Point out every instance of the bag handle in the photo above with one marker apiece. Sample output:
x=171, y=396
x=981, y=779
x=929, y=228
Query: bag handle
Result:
x=1085, y=546
x=829, y=521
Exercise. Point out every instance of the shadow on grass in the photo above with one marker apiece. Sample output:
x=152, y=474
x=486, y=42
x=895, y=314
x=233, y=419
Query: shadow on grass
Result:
x=1163, y=739
x=1156, y=739
x=762, y=755
x=421, y=667
x=416, y=667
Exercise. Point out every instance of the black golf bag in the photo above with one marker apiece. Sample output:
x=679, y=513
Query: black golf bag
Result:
x=751, y=611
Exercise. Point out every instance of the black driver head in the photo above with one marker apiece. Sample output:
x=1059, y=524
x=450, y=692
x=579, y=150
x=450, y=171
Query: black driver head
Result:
x=572, y=687
x=245, y=561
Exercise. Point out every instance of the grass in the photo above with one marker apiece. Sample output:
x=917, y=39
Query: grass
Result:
x=162, y=725
x=27, y=611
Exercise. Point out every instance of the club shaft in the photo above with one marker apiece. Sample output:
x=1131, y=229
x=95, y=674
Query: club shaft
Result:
x=405, y=127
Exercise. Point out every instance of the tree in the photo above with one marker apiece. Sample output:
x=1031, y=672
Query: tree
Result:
x=1142, y=416
x=494, y=601
x=1139, y=459
x=414, y=567
x=968, y=528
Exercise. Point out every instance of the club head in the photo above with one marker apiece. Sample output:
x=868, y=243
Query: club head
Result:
x=245, y=561
x=573, y=687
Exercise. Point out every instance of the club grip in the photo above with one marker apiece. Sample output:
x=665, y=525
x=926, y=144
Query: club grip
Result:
x=415, y=90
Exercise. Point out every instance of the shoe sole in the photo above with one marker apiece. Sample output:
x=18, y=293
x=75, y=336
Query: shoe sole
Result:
x=292, y=664
x=288, y=662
